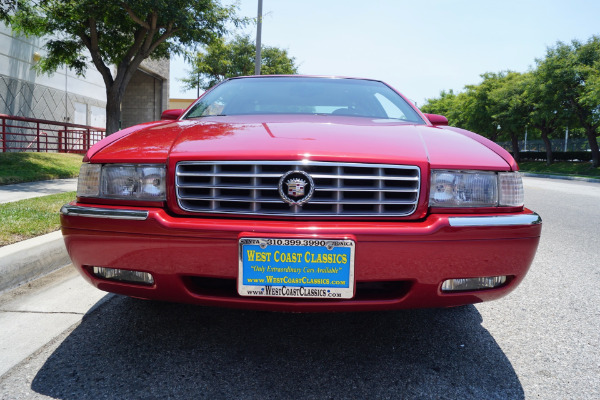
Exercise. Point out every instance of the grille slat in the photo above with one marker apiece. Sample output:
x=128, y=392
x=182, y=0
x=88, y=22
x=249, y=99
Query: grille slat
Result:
x=366, y=177
x=340, y=189
x=321, y=188
x=342, y=177
x=232, y=175
x=269, y=200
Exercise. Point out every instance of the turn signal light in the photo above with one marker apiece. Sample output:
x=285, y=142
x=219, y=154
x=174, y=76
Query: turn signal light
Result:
x=462, y=284
x=124, y=275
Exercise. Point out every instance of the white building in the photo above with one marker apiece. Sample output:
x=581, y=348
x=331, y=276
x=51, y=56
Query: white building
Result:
x=66, y=97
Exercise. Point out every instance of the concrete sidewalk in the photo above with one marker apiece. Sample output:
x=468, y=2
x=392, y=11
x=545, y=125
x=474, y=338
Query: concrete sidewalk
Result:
x=28, y=190
x=32, y=315
x=30, y=259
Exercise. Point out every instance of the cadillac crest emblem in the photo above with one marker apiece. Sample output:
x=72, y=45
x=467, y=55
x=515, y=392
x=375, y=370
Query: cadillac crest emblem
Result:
x=296, y=187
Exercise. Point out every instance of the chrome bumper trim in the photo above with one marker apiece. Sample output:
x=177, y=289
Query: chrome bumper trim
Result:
x=110, y=213
x=497, y=220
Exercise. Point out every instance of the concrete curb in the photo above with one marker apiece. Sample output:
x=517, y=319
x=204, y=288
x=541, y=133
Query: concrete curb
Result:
x=564, y=177
x=30, y=259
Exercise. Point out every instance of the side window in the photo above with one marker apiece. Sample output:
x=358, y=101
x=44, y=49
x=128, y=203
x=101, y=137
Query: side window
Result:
x=390, y=108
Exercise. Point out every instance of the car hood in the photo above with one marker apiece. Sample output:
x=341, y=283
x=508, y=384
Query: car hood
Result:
x=319, y=138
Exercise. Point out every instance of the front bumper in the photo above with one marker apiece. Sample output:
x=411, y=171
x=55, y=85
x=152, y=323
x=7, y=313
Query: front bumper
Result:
x=397, y=264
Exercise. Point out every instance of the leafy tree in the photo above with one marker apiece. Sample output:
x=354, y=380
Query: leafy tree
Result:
x=509, y=106
x=224, y=60
x=6, y=7
x=564, y=90
x=449, y=105
x=469, y=109
x=571, y=74
x=591, y=94
x=549, y=111
x=442, y=105
x=478, y=105
x=118, y=35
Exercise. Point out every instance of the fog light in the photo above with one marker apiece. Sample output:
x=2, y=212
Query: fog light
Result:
x=124, y=275
x=490, y=282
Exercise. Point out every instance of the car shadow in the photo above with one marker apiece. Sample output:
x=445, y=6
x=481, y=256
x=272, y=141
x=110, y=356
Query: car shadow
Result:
x=146, y=350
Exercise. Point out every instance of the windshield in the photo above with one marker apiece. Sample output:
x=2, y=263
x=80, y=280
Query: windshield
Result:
x=300, y=95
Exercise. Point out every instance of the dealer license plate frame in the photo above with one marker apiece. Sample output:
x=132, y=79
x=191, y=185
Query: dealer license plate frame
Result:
x=290, y=288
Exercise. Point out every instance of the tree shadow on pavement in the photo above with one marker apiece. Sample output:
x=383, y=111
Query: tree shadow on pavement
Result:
x=145, y=350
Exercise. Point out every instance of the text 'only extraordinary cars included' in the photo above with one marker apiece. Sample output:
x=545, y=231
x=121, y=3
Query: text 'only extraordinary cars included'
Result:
x=296, y=193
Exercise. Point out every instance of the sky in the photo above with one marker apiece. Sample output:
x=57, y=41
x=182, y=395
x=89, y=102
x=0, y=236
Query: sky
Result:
x=419, y=47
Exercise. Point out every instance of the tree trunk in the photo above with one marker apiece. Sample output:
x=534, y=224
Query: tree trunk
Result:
x=514, y=138
x=591, y=136
x=113, y=113
x=114, y=96
x=590, y=132
x=548, y=145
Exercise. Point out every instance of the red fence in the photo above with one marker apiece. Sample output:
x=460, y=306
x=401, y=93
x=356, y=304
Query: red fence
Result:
x=38, y=135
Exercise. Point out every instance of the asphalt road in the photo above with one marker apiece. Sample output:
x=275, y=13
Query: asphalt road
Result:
x=541, y=341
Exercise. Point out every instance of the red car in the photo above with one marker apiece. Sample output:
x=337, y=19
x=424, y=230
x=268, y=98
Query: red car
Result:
x=295, y=193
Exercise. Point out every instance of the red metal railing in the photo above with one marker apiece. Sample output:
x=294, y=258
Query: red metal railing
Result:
x=39, y=135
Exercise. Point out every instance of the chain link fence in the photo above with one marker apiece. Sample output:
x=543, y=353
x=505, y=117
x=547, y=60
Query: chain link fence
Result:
x=575, y=144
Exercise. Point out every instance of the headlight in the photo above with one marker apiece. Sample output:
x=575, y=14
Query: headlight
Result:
x=475, y=189
x=144, y=182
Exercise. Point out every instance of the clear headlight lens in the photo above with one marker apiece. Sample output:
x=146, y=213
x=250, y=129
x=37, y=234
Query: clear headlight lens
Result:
x=138, y=182
x=463, y=189
x=144, y=182
x=475, y=189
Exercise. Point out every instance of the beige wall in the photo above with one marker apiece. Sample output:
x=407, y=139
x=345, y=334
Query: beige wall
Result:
x=147, y=93
x=180, y=103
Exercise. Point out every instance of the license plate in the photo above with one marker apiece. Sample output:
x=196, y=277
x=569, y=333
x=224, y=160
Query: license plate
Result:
x=301, y=268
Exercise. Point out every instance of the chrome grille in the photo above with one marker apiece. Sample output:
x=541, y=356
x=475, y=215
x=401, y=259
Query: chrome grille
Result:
x=341, y=189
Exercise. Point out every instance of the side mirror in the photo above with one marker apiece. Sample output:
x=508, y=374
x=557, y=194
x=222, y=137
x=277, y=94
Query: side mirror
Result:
x=171, y=114
x=436, y=119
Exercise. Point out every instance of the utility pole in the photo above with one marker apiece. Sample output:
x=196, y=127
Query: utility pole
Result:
x=258, y=35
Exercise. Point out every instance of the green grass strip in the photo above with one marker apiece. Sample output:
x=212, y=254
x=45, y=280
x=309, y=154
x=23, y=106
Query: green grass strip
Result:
x=579, y=169
x=28, y=218
x=31, y=167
